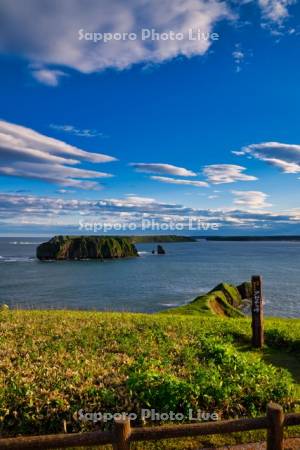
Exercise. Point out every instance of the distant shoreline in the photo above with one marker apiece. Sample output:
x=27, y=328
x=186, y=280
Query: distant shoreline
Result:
x=250, y=238
x=167, y=238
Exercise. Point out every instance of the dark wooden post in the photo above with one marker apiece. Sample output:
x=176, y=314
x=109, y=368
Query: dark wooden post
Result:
x=257, y=313
x=275, y=429
x=122, y=432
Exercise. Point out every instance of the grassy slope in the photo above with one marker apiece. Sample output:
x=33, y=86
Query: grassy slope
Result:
x=53, y=363
x=224, y=300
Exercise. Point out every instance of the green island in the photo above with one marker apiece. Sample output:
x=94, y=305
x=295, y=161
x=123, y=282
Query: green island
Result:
x=86, y=247
x=98, y=247
x=197, y=356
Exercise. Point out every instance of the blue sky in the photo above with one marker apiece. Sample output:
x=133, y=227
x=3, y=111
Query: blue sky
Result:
x=205, y=129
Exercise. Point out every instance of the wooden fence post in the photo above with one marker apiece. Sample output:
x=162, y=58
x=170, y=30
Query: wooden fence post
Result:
x=122, y=432
x=257, y=313
x=275, y=417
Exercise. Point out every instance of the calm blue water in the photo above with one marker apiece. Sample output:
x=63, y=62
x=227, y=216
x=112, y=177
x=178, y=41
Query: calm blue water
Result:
x=149, y=283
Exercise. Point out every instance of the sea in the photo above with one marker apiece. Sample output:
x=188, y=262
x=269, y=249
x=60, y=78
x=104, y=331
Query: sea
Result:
x=150, y=283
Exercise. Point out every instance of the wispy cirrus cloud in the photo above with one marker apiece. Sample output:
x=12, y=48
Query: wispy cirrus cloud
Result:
x=283, y=156
x=29, y=154
x=226, y=173
x=161, y=168
x=82, y=132
x=50, y=77
x=238, y=57
x=275, y=10
x=251, y=199
x=238, y=153
x=180, y=181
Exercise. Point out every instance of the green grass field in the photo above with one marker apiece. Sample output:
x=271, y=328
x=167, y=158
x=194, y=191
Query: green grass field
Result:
x=54, y=363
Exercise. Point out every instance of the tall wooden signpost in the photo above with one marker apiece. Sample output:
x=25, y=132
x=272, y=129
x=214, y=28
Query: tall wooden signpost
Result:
x=257, y=313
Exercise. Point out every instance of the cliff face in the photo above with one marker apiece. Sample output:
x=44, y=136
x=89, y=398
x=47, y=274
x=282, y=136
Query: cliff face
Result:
x=85, y=247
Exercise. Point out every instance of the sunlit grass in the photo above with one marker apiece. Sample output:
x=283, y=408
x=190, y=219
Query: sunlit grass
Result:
x=53, y=363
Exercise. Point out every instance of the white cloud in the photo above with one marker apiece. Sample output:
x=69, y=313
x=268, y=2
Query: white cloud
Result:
x=251, y=199
x=226, y=173
x=27, y=141
x=65, y=191
x=161, y=168
x=27, y=153
x=82, y=132
x=49, y=77
x=238, y=57
x=275, y=10
x=55, y=173
x=179, y=181
x=237, y=153
x=284, y=156
x=48, y=34
x=287, y=167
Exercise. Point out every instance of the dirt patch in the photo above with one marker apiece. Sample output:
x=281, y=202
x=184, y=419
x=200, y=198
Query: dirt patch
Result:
x=216, y=307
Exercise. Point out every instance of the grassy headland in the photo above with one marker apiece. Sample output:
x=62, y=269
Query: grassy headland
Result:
x=54, y=363
x=224, y=300
x=194, y=357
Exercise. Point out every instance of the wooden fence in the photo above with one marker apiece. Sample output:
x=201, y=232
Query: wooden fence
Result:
x=123, y=434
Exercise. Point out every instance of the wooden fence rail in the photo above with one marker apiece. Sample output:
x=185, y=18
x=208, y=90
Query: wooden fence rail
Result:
x=122, y=434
